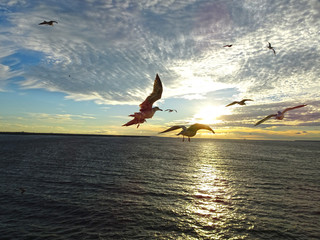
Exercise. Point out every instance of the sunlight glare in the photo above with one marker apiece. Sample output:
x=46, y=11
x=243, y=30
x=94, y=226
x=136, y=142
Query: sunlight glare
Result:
x=210, y=114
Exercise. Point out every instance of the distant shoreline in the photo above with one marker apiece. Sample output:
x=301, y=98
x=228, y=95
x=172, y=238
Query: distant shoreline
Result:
x=71, y=134
x=134, y=136
x=307, y=140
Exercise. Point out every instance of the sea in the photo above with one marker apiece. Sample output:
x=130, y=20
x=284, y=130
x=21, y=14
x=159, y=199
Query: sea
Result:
x=89, y=187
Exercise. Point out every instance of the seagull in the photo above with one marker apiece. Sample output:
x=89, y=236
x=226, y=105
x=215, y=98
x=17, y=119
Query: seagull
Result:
x=279, y=115
x=171, y=110
x=146, y=109
x=190, y=131
x=228, y=45
x=242, y=102
x=48, y=23
x=22, y=190
x=271, y=48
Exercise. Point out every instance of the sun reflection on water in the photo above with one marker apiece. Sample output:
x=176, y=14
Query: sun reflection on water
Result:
x=211, y=209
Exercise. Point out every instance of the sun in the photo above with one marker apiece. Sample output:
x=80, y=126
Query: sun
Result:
x=210, y=114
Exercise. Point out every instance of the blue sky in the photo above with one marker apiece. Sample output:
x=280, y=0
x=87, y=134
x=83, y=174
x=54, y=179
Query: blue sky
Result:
x=87, y=73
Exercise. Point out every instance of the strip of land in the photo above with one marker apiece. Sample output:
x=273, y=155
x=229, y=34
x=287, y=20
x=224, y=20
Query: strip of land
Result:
x=71, y=134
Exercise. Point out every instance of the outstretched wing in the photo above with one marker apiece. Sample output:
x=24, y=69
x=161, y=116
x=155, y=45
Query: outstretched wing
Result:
x=174, y=128
x=265, y=119
x=230, y=104
x=154, y=96
x=247, y=99
x=273, y=51
x=134, y=121
x=288, y=109
x=171, y=110
x=44, y=22
x=195, y=127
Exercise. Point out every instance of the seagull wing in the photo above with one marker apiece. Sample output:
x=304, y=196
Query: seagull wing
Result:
x=195, y=127
x=288, y=109
x=265, y=119
x=230, y=104
x=171, y=110
x=273, y=51
x=44, y=22
x=174, y=128
x=154, y=96
x=247, y=99
x=134, y=121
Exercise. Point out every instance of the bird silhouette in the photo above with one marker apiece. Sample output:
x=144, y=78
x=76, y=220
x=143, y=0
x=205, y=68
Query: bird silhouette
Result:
x=22, y=190
x=190, y=131
x=171, y=110
x=242, y=102
x=279, y=115
x=146, y=109
x=48, y=23
x=271, y=48
x=228, y=45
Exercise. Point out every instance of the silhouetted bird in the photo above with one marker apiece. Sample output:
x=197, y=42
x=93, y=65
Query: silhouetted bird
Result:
x=146, y=109
x=227, y=46
x=242, y=102
x=22, y=190
x=171, y=110
x=48, y=23
x=271, y=48
x=279, y=115
x=190, y=131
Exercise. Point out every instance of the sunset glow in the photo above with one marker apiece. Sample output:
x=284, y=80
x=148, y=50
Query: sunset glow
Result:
x=91, y=69
x=211, y=114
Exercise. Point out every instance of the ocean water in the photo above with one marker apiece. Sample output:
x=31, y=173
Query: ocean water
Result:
x=79, y=187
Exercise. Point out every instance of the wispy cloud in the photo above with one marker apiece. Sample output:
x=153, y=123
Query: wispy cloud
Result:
x=60, y=117
x=109, y=52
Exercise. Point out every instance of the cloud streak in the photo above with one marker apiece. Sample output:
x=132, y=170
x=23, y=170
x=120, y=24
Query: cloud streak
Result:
x=109, y=52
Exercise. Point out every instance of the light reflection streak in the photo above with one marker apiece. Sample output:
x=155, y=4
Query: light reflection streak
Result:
x=212, y=209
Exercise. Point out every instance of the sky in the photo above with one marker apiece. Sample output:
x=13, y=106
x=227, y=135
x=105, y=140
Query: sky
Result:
x=87, y=73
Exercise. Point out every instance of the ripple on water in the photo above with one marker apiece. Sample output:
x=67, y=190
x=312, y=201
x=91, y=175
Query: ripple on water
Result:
x=115, y=188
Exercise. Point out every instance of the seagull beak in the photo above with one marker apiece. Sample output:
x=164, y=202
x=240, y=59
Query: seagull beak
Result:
x=160, y=109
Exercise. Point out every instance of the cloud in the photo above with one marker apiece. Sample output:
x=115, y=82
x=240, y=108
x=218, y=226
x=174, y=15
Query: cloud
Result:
x=109, y=52
x=4, y=73
x=250, y=114
x=60, y=117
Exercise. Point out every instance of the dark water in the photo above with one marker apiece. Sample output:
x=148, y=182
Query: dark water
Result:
x=158, y=188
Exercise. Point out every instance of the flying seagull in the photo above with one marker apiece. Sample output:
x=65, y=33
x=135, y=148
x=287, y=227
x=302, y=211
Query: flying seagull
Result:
x=171, y=110
x=146, y=109
x=190, y=131
x=279, y=115
x=22, y=190
x=271, y=48
x=228, y=45
x=242, y=102
x=48, y=23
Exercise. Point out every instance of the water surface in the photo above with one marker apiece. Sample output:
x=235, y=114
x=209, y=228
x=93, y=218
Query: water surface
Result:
x=79, y=187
